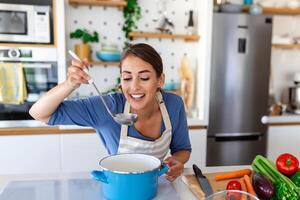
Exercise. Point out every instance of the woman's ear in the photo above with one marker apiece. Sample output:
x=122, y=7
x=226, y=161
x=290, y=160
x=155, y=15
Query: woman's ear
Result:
x=161, y=81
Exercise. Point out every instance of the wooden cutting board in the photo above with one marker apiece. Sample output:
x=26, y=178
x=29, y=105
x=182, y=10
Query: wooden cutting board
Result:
x=192, y=183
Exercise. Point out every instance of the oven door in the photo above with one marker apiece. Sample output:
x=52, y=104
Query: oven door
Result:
x=40, y=77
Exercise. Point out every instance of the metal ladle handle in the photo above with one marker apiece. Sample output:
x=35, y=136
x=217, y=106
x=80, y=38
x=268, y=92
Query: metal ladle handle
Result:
x=91, y=81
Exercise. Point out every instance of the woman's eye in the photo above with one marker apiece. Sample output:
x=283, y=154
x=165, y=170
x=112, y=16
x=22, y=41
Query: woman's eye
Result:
x=126, y=79
x=145, y=78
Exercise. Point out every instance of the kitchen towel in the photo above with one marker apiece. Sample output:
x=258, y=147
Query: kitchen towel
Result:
x=12, y=83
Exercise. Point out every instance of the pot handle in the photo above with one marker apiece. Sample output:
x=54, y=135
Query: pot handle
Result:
x=99, y=176
x=163, y=169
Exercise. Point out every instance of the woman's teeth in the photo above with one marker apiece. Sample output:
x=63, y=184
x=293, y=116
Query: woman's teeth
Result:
x=137, y=96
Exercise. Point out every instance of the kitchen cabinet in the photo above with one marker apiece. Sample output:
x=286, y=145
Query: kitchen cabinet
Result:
x=282, y=139
x=69, y=152
x=81, y=152
x=198, y=142
x=29, y=154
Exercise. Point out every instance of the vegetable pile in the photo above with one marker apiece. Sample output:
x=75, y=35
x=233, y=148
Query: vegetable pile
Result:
x=285, y=188
x=268, y=181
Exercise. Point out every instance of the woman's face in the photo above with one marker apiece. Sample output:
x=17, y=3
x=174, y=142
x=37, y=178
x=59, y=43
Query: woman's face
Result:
x=139, y=82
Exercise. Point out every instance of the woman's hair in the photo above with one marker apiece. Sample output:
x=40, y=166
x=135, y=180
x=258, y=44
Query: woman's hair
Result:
x=147, y=53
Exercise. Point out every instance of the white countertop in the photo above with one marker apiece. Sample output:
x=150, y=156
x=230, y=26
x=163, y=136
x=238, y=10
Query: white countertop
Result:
x=182, y=189
x=178, y=184
x=35, y=123
x=284, y=118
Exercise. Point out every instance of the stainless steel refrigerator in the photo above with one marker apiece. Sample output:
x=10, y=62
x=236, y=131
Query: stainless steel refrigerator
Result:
x=241, y=53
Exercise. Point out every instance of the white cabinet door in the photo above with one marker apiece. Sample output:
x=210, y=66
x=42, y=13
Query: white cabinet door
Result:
x=282, y=139
x=81, y=152
x=198, y=142
x=29, y=154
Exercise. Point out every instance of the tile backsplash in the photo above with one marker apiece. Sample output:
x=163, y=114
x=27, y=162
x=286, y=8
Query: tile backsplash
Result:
x=108, y=22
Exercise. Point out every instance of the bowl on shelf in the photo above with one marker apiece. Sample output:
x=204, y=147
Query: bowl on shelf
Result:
x=109, y=56
x=231, y=195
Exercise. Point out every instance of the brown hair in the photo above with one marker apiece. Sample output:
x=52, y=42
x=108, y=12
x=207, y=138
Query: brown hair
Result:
x=147, y=53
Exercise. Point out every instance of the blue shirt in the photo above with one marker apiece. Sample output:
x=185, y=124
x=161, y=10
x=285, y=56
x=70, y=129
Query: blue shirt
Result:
x=91, y=112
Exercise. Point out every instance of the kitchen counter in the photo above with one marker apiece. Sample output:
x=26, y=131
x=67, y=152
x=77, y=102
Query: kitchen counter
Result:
x=178, y=184
x=33, y=127
x=286, y=119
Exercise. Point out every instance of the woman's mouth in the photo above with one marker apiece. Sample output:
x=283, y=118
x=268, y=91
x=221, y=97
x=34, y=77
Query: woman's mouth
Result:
x=137, y=97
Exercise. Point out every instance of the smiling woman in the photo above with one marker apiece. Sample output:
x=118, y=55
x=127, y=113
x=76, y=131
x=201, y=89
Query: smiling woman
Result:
x=161, y=123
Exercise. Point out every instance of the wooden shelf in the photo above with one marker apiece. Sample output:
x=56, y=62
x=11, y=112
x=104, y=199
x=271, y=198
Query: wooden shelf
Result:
x=28, y=45
x=113, y=3
x=286, y=46
x=104, y=63
x=278, y=11
x=164, y=35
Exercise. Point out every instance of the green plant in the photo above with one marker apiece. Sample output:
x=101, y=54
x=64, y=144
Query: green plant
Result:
x=85, y=35
x=131, y=13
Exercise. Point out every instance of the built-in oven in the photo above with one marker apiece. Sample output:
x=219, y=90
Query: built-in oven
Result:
x=39, y=68
x=21, y=23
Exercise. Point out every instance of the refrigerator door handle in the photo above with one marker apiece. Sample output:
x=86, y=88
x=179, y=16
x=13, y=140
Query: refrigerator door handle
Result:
x=237, y=136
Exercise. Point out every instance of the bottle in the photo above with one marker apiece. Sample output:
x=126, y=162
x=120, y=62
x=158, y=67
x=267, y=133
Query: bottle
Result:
x=190, y=27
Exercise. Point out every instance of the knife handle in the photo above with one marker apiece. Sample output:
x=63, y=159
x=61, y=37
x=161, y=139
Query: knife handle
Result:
x=197, y=171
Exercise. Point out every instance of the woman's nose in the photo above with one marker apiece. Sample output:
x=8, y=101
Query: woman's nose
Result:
x=135, y=84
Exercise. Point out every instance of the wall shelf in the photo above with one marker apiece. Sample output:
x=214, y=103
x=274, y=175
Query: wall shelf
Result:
x=286, y=46
x=164, y=35
x=112, y=3
x=28, y=45
x=278, y=11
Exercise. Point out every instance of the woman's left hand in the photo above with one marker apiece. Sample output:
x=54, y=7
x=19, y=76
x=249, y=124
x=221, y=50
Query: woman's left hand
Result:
x=175, y=168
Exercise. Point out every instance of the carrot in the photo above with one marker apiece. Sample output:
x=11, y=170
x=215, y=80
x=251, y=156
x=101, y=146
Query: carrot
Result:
x=233, y=174
x=242, y=181
x=249, y=186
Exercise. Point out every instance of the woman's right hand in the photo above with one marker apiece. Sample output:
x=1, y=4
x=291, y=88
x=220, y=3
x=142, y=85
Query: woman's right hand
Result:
x=76, y=74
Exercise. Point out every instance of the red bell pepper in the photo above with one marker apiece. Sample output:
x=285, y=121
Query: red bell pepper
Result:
x=287, y=164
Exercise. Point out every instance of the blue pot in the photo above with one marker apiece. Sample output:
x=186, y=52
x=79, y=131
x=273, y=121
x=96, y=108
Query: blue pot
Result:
x=129, y=176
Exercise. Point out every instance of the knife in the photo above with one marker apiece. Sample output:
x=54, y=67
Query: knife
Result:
x=203, y=181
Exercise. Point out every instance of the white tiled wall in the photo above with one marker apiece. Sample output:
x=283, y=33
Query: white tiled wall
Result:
x=108, y=22
x=285, y=62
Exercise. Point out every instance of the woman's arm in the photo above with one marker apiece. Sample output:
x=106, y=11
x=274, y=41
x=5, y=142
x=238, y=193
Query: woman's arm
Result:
x=48, y=103
x=182, y=156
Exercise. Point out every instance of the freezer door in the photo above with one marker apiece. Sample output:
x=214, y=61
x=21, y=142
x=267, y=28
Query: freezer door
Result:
x=236, y=149
x=239, y=73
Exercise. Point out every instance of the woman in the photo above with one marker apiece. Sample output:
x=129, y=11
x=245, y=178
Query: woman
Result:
x=161, y=123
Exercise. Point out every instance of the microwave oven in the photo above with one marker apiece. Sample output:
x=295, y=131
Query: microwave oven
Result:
x=20, y=23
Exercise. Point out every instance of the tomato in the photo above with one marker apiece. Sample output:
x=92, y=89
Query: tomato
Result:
x=234, y=185
x=287, y=164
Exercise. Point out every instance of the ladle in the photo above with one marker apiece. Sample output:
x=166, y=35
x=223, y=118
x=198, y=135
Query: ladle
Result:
x=121, y=118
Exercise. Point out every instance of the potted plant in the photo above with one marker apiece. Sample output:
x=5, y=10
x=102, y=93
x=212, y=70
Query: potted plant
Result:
x=83, y=50
x=131, y=14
